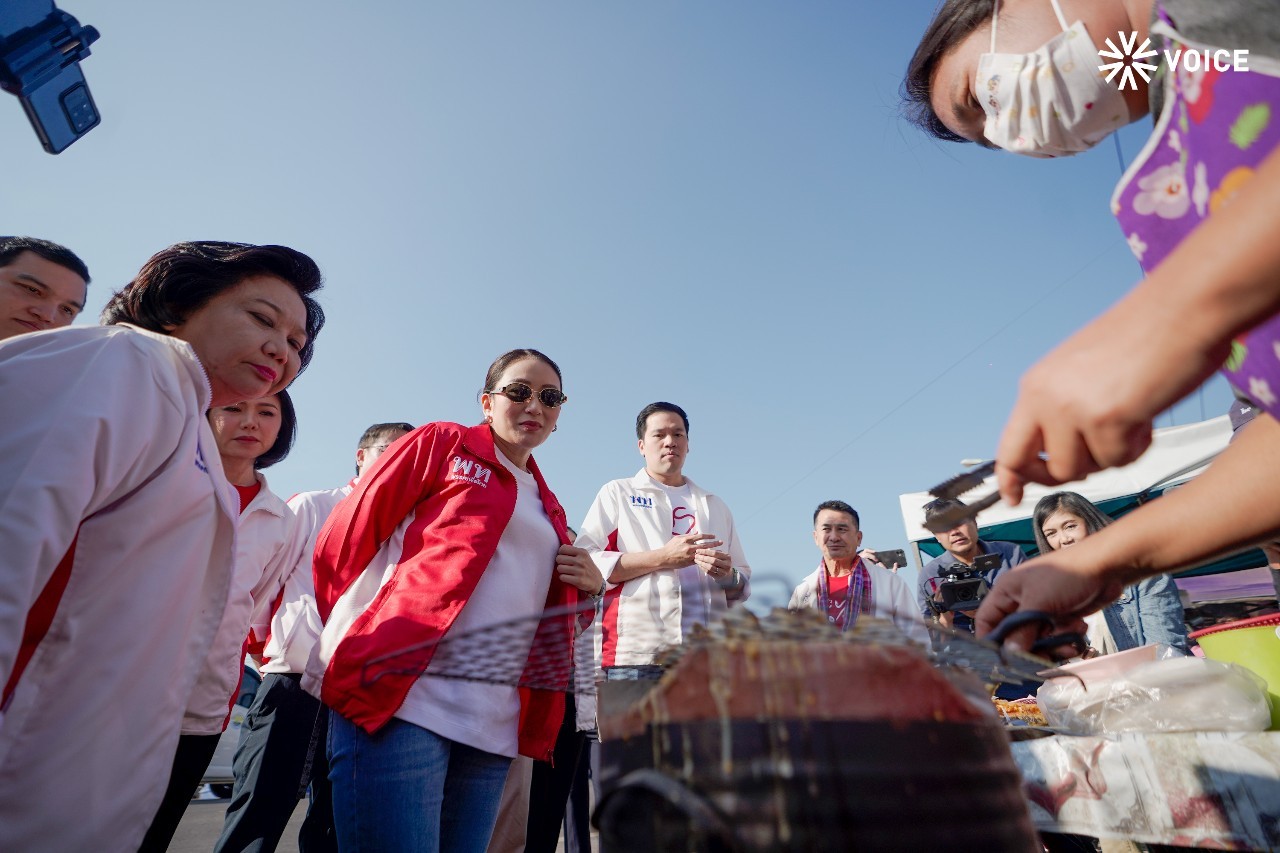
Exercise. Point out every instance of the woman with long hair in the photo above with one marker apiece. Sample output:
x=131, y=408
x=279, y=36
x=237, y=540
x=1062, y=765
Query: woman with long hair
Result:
x=1148, y=611
x=117, y=528
x=453, y=530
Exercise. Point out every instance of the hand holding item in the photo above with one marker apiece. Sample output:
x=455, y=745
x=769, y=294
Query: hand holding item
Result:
x=575, y=567
x=1089, y=404
x=1066, y=590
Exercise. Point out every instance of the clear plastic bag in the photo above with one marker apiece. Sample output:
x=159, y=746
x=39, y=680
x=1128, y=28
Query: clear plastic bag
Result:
x=1181, y=694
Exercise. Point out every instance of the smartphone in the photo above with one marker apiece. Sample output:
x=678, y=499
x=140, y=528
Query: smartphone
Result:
x=891, y=559
x=40, y=52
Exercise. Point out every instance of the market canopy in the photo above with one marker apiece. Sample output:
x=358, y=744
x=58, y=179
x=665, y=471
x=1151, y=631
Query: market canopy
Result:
x=1177, y=454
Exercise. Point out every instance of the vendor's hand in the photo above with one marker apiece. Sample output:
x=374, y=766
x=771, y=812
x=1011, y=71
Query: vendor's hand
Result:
x=575, y=567
x=1067, y=593
x=1089, y=404
x=717, y=565
x=682, y=550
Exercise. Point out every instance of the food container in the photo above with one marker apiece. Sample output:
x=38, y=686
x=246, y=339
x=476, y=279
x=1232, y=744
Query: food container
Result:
x=1251, y=643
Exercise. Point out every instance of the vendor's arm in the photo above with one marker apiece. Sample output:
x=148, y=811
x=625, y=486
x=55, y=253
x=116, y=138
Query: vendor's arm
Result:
x=1181, y=529
x=1151, y=349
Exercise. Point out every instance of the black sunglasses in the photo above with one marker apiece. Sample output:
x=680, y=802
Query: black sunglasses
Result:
x=518, y=392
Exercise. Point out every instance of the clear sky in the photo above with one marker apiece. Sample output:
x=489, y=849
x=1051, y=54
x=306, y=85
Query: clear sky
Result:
x=714, y=203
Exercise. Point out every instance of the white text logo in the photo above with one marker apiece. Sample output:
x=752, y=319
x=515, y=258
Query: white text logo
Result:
x=469, y=471
x=1187, y=60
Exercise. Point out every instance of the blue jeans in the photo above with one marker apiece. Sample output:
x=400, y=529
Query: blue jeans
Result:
x=406, y=788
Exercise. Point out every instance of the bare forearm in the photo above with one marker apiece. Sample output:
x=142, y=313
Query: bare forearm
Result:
x=1191, y=525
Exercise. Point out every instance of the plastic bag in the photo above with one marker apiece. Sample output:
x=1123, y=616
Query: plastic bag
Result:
x=1183, y=694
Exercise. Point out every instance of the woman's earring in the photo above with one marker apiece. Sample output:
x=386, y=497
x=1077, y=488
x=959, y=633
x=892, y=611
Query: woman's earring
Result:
x=554, y=428
x=488, y=419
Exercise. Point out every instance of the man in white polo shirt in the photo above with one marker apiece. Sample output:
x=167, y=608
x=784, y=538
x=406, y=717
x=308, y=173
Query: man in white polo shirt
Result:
x=667, y=547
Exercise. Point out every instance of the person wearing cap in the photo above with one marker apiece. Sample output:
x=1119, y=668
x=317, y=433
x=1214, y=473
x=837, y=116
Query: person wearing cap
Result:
x=963, y=547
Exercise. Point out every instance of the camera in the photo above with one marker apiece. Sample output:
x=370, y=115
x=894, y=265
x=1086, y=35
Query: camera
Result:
x=40, y=52
x=961, y=587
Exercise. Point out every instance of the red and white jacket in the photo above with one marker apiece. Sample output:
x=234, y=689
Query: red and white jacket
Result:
x=294, y=620
x=117, y=543
x=267, y=541
x=646, y=613
x=399, y=558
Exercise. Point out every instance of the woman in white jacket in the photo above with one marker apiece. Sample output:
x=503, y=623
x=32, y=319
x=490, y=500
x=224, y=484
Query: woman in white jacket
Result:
x=251, y=436
x=117, y=529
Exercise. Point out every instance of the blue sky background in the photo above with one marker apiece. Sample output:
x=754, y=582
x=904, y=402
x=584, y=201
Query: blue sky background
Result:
x=714, y=203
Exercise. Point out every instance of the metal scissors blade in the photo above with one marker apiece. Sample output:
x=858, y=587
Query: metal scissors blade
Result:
x=953, y=489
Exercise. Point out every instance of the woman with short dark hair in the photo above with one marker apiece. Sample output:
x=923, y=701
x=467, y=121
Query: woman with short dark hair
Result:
x=117, y=528
x=251, y=436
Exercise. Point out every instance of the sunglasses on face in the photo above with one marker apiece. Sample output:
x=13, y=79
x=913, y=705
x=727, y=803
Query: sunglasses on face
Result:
x=518, y=392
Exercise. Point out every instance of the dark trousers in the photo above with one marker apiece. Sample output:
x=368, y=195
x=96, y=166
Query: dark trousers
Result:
x=549, y=791
x=577, y=818
x=281, y=750
x=189, y=763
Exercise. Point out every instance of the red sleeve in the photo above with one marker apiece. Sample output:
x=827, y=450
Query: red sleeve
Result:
x=402, y=476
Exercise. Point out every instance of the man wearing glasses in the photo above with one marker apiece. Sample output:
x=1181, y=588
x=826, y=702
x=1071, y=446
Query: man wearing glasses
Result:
x=667, y=548
x=282, y=744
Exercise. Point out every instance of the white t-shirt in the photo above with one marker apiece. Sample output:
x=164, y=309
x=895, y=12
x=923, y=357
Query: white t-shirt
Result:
x=695, y=586
x=514, y=584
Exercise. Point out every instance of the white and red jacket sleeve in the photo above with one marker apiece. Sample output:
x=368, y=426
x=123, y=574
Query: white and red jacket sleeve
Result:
x=599, y=531
x=70, y=444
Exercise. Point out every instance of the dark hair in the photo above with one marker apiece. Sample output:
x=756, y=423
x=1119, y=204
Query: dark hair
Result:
x=953, y=23
x=1076, y=504
x=510, y=357
x=642, y=419
x=838, y=506
x=288, y=434
x=11, y=247
x=935, y=508
x=181, y=279
x=374, y=434
x=382, y=432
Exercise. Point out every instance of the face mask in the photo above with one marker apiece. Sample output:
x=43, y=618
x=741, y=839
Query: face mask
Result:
x=1051, y=102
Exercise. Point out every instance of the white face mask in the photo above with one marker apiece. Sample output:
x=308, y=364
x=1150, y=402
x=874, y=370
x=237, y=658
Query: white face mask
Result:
x=1051, y=102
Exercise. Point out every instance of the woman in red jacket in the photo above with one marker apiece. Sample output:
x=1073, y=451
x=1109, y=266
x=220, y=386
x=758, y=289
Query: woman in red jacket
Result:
x=453, y=530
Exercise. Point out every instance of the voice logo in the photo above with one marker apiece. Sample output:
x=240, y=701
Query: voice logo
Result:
x=1188, y=60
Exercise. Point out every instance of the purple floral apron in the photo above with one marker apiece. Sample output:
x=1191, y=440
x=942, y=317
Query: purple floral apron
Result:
x=1215, y=129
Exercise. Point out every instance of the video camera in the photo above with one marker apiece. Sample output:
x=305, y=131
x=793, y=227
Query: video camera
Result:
x=40, y=52
x=962, y=587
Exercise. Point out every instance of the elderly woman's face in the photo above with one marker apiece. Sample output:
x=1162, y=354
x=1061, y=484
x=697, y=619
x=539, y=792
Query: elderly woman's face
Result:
x=248, y=338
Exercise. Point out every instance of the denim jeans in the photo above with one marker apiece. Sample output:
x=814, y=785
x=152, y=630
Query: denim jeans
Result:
x=406, y=788
x=642, y=672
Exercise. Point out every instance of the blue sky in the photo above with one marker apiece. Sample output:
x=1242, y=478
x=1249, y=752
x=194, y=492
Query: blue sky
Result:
x=713, y=203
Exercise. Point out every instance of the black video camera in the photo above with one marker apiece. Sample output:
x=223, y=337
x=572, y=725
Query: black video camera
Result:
x=40, y=52
x=962, y=587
